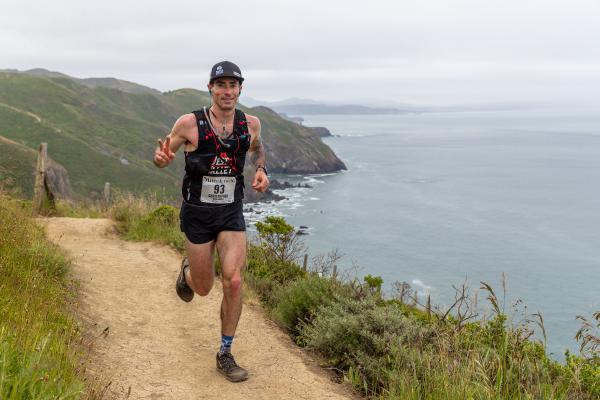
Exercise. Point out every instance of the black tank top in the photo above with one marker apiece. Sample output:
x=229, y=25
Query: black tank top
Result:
x=213, y=158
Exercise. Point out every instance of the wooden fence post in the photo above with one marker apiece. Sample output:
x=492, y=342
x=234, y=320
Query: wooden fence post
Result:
x=304, y=264
x=402, y=293
x=334, y=273
x=39, y=188
x=107, y=194
x=429, y=307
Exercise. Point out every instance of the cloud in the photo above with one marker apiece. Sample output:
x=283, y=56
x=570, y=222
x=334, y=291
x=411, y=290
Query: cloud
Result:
x=427, y=50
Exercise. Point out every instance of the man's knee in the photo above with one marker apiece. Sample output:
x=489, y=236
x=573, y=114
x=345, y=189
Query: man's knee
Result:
x=202, y=290
x=202, y=283
x=233, y=282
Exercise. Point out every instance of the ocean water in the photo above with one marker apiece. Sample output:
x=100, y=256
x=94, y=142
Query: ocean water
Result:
x=440, y=199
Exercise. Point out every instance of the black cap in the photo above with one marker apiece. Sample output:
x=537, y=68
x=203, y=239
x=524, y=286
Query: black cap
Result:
x=225, y=69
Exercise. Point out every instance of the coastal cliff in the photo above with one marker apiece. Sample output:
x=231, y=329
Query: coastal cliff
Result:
x=293, y=148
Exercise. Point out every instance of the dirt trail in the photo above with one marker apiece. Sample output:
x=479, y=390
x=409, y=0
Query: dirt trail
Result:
x=155, y=346
x=28, y=113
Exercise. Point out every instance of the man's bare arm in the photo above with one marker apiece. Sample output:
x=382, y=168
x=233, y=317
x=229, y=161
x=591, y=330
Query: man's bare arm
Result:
x=257, y=150
x=257, y=155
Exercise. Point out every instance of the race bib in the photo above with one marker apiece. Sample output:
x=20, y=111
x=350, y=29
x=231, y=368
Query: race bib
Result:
x=218, y=189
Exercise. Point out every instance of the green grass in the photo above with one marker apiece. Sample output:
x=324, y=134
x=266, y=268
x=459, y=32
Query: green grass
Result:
x=39, y=338
x=143, y=218
x=17, y=166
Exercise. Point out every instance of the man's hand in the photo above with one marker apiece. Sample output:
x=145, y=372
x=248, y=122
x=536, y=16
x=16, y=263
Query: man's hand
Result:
x=260, y=182
x=163, y=154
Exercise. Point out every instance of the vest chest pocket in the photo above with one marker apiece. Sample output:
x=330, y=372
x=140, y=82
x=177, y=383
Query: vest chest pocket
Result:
x=198, y=164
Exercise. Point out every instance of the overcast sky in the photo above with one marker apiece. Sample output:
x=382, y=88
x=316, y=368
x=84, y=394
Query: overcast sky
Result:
x=413, y=51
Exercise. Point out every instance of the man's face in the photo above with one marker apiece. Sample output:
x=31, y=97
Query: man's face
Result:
x=225, y=92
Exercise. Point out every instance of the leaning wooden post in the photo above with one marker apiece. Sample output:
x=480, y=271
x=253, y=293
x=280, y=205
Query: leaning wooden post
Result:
x=304, y=264
x=39, y=189
x=106, y=194
x=334, y=273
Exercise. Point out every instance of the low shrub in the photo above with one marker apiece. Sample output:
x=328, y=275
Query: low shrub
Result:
x=279, y=240
x=138, y=221
x=297, y=303
x=361, y=335
x=283, y=272
x=266, y=274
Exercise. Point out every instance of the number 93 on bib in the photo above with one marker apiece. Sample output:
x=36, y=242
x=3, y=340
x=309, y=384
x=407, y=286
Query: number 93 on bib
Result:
x=218, y=189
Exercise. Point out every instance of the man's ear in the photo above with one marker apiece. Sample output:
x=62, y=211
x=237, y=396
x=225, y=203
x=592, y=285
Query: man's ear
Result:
x=209, y=86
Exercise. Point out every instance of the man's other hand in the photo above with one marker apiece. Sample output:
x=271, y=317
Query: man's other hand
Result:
x=260, y=182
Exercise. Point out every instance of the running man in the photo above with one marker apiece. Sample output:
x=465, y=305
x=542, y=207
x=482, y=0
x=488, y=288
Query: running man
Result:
x=216, y=140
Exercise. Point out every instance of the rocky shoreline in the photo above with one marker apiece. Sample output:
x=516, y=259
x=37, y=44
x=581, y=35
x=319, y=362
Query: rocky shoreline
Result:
x=252, y=196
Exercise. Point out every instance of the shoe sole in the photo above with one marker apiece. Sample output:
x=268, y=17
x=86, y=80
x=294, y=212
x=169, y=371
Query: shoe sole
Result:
x=232, y=379
x=181, y=291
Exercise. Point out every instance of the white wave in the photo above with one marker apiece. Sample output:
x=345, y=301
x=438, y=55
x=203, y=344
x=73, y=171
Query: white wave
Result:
x=422, y=289
x=294, y=198
x=419, y=283
x=311, y=180
x=417, y=180
x=320, y=175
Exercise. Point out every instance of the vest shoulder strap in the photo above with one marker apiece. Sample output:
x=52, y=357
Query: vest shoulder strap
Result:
x=199, y=114
x=241, y=122
x=201, y=123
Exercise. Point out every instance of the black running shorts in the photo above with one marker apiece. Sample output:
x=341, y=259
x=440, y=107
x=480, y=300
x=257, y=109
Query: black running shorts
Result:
x=203, y=224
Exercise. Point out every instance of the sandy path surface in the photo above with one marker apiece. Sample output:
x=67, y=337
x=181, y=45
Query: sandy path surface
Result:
x=154, y=345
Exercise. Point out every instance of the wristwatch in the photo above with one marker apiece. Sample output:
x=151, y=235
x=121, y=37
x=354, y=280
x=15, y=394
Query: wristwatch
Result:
x=263, y=168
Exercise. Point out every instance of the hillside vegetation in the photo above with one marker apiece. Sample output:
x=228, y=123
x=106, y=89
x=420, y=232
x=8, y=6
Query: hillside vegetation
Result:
x=105, y=130
x=17, y=166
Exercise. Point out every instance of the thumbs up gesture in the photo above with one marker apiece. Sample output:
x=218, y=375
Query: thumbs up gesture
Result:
x=163, y=154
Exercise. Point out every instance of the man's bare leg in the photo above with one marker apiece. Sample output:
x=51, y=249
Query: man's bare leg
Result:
x=232, y=252
x=201, y=274
x=231, y=246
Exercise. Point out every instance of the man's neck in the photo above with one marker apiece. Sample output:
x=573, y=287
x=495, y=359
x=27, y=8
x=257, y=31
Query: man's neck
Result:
x=222, y=115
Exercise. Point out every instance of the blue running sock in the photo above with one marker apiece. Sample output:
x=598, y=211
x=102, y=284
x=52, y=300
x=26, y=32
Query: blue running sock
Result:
x=226, y=342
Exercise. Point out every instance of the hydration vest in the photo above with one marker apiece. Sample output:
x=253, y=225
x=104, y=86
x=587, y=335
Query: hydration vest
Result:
x=216, y=157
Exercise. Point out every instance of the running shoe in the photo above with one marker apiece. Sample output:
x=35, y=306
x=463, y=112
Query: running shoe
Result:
x=229, y=368
x=184, y=291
